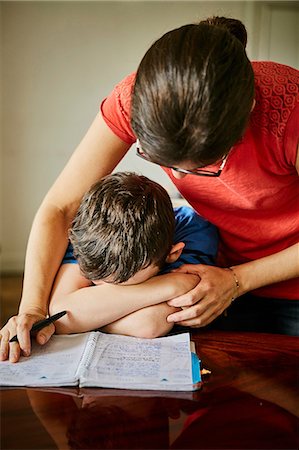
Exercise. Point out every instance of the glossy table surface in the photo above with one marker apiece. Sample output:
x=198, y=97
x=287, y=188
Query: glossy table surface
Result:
x=250, y=401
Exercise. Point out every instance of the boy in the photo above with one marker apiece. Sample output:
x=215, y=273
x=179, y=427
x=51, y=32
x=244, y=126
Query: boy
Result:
x=124, y=241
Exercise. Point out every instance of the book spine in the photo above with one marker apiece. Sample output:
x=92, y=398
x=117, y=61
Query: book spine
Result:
x=88, y=353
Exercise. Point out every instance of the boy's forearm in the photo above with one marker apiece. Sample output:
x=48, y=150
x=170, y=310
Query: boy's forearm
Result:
x=149, y=323
x=94, y=307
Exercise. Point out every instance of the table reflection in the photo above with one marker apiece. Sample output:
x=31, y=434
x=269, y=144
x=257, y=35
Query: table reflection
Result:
x=222, y=418
x=250, y=401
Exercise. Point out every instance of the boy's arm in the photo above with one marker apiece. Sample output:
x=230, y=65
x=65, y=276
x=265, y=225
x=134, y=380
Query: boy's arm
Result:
x=90, y=307
x=149, y=322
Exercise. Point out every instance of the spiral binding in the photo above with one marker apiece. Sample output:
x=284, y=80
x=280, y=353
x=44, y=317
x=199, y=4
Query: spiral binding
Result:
x=88, y=353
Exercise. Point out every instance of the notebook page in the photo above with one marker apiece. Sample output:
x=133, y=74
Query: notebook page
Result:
x=132, y=363
x=52, y=364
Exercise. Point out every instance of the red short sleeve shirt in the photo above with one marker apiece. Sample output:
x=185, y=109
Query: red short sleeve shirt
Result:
x=255, y=201
x=116, y=109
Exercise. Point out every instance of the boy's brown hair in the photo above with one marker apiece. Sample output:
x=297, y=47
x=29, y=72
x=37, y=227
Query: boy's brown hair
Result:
x=125, y=223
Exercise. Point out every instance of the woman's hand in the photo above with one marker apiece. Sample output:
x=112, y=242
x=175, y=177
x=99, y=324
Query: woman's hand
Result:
x=21, y=325
x=204, y=303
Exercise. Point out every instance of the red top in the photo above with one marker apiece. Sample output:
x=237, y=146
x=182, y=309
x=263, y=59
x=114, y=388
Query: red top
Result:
x=255, y=202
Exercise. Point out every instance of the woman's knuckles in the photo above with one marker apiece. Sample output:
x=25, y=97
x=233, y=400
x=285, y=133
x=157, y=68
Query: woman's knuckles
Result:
x=188, y=300
x=13, y=321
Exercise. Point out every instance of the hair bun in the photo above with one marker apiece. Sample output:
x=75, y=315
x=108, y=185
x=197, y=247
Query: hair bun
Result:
x=234, y=26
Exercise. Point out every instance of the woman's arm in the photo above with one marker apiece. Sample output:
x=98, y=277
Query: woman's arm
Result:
x=97, y=155
x=215, y=291
x=91, y=307
x=217, y=287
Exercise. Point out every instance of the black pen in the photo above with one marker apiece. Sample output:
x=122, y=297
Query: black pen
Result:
x=42, y=324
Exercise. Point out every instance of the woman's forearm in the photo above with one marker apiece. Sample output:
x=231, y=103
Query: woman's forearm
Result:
x=280, y=266
x=218, y=286
x=42, y=261
x=94, y=307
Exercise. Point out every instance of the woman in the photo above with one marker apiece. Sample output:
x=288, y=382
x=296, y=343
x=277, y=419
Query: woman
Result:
x=226, y=132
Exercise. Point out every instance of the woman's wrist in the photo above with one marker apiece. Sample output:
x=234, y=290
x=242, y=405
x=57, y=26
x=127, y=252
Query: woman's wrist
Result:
x=268, y=270
x=33, y=310
x=236, y=283
x=243, y=278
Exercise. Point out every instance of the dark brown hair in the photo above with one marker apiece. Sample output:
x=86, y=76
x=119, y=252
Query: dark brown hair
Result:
x=124, y=223
x=193, y=93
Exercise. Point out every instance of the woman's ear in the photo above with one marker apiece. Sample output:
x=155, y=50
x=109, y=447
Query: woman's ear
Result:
x=175, y=252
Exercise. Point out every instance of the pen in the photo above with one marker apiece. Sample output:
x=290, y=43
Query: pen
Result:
x=42, y=324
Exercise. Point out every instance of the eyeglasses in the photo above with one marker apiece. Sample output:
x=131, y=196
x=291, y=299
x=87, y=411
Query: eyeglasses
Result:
x=200, y=172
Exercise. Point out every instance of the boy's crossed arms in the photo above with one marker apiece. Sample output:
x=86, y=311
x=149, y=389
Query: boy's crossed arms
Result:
x=126, y=237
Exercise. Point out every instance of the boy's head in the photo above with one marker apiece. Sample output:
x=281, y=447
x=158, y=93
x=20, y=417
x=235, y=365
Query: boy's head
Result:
x=124, y=225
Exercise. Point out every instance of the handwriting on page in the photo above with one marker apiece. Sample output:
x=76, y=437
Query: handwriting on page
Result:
x=53, y=363
x=140, y=360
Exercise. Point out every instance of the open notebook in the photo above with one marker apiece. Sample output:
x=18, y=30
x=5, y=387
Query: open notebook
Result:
x=96, y=359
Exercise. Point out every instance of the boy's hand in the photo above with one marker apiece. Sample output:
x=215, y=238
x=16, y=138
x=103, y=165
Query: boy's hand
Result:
x=21, y=325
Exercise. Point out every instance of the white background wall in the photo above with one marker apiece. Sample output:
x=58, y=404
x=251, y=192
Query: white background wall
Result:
x=59, y=59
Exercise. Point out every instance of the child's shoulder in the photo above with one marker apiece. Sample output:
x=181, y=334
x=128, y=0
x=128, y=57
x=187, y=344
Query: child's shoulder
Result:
x=186, y=214
x=190, y=225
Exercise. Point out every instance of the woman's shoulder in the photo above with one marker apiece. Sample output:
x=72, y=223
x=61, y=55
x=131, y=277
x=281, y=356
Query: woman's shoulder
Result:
x=274, y=69
x=116, y=109
x=123, y=91
x=276, y=80
x=276, y=95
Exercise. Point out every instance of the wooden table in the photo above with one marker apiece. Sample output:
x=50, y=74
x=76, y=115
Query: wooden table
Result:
x=250, y=401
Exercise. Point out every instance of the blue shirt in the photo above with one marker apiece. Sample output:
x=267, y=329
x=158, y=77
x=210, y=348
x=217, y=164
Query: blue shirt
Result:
x=199, y=236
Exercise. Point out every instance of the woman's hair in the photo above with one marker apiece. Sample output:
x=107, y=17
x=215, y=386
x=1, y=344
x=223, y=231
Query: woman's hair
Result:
x=125, y=223
x=193, y=93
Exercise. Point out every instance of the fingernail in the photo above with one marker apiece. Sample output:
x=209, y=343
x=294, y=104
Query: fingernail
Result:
x=26, y=352
x=13, y=358
x=2, y=356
